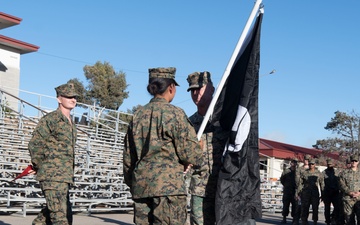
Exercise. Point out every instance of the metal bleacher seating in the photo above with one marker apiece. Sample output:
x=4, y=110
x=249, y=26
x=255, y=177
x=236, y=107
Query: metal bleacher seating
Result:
x=99, y=184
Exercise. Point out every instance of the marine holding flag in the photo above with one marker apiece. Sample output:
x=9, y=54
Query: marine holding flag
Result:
x=52, y=155
x=238, y=192
x=203, y=180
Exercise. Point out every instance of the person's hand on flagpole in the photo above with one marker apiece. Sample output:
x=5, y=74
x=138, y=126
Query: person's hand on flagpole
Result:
x=187, y=168
x=201, y=143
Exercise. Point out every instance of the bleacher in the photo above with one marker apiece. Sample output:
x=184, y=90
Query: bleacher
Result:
x=99, y=184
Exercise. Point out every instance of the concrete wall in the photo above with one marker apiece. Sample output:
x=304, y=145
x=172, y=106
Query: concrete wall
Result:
x=10, y=79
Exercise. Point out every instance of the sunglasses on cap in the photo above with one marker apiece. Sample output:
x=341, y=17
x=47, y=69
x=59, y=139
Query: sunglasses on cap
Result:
x=354, y=161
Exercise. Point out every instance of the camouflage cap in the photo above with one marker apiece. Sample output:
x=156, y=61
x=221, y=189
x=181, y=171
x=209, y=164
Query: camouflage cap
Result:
x=198, y=79
x=294, y=160
x=329, y=161
x=307, y=157
x=312, y=161
x=67, y=90
x=163, y=72
x=354, y=157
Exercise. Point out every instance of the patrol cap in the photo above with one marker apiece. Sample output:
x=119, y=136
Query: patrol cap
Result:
x=307, y=157
x=163, y=72
x=198, y=79
x=67, y=90
x=329, y=161
x=294, y=160
x=354, y=157
x=312, y=161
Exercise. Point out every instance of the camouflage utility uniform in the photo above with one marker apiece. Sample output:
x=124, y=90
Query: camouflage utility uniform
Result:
x=308, y=186
x=159, y=143
x=350, y=182
x=287, y=179
x=52, y=155
x=204, y=180
x=331, y=194
x=299, y=171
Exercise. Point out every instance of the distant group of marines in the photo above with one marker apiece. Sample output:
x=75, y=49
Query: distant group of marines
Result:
x=305, y=185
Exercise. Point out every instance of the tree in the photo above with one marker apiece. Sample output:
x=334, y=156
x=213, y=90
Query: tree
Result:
x=346, y=128
x=106, y=87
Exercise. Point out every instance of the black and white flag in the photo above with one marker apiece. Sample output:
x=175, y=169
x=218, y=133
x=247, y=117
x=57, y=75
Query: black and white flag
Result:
x=236, y=110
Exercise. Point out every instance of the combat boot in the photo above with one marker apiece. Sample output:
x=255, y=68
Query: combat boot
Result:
x=284, y=220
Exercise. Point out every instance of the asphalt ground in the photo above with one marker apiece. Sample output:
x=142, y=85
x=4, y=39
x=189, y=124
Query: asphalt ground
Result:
x=126, y=218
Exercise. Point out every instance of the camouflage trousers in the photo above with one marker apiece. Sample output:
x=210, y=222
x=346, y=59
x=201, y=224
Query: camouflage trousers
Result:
x=58, y=207
x=334, y=199
x=310, y=197
x=351, y=209
x=288, y=198
x=161, y=210
x=202, y=210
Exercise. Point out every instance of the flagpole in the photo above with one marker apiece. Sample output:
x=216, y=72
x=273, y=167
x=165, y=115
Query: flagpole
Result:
x=228, y=68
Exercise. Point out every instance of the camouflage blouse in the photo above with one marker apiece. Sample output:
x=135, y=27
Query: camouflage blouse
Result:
x=203, y=180
x=52, y=148
x=349, y=181
x=310, y=180
x=159, y=144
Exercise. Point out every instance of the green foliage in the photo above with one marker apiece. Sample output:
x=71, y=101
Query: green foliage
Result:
x=346, y=128
x=106, y=87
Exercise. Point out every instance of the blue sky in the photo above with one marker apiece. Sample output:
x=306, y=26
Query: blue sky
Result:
x=312, y=45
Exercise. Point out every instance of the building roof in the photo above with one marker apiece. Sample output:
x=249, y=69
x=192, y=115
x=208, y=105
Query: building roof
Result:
x=7, y=20
x=21, y=47
x=286, y=151
x=17, y=46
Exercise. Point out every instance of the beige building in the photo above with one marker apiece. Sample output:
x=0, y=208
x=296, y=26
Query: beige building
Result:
x=10, y=52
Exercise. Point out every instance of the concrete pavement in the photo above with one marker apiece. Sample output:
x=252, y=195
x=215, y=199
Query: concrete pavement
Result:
x=126, y=218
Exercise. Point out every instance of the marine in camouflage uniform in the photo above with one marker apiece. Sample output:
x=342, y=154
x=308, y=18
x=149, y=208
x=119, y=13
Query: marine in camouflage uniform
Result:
x=341, y=219
x=331, y=193
x=310, y=181
x=159, y=145
x=287, y=179
x=299, y=171
x=52, y=155
x=203, y=181
x=350, y=186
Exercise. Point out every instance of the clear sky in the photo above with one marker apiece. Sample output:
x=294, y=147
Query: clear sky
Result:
x=313, y=46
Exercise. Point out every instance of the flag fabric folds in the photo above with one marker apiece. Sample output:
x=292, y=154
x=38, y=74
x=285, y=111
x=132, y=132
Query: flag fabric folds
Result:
x=236, y=111
x=25, y=172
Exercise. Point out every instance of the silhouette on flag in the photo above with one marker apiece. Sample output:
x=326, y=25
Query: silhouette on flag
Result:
x=236, y=111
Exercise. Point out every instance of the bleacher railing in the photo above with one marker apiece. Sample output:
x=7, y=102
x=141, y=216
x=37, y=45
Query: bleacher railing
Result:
x=99, y=182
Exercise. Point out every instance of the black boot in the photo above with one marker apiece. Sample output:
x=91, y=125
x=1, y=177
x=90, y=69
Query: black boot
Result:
x=284, y=220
